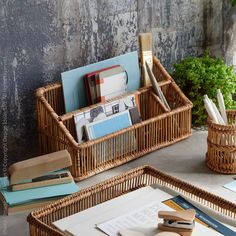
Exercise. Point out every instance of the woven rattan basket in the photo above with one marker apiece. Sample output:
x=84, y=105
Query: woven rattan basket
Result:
x=40, y=221
x=221, y=153
x=158, y=128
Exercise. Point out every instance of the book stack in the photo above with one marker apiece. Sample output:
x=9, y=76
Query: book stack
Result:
x=105, y=84
x=33, y=198
x=37, y=181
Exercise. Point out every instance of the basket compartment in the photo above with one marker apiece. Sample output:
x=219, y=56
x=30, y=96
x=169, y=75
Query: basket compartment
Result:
x=158, y=129
x=221, y=153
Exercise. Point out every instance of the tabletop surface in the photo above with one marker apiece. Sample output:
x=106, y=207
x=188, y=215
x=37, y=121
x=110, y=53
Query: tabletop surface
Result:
x=184, y=160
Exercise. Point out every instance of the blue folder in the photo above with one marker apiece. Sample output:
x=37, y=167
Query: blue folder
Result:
x=73, y=81
x=108, y=125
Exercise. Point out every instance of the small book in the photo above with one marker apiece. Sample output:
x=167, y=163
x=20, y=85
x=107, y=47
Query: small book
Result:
x=106, y=73
x=108, y=125
x=90, y=84
x=111, y=71
x=111, y=83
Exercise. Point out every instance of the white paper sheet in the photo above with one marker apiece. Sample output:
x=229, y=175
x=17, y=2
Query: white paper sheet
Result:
x=144, y=220
x=86, y=221
x=134, y=204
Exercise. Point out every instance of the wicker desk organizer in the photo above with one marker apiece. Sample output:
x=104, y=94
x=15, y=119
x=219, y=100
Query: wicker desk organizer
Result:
x=40, y=221
x=221, y=153
x=157, y=129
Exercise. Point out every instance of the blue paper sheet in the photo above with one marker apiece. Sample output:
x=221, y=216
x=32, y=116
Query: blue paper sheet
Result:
x=73, y=81
x=231, y=186
x=24, y=196
x=109, y=125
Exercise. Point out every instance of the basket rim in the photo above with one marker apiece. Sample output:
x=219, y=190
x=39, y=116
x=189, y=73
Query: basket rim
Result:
x=39, y=92
x=196, y=193
x=88, y=143
x=133, y=127
x=122, y=131
x=220, y=127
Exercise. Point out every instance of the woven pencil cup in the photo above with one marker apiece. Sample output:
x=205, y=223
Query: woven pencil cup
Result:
x=221, y=140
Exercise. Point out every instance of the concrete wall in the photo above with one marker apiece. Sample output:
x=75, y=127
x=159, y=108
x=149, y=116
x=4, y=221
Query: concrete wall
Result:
x=39, y=39
x=229, y=32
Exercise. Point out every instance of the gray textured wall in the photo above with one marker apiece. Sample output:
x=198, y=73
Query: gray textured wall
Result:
x=39, y=39
x=229, y=29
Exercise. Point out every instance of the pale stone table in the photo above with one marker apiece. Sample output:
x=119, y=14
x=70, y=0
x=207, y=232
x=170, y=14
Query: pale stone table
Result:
x=185, y=160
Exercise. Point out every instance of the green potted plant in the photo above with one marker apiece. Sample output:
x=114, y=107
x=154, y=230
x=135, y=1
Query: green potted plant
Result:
x=198, y=76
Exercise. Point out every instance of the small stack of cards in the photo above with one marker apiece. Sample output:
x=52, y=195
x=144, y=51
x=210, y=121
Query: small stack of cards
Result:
x=105, y=84
x=106, y=118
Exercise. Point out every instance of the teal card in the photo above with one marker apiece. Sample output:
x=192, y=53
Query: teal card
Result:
x=73, y=81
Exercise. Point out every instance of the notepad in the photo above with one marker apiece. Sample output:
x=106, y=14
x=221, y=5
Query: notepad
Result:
x=111, y=85
x=91, y=83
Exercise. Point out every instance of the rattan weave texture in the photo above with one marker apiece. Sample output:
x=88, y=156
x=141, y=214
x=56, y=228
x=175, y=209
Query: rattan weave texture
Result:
x=158, y=128
x=40, y=221
x=221, y=153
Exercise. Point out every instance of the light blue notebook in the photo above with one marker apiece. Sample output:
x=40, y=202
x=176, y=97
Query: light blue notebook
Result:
x=24, y=196
x=73, y=81
x=108, y=125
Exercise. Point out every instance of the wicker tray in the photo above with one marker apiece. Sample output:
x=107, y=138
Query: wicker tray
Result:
x=221, y=153
x=40, y=221
x=158, y=128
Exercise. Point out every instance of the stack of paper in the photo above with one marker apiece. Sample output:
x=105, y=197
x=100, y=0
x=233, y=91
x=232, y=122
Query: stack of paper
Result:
x=91, y=81
x=136, y=211
x=105, y=84
x=107, y=109
x=111, y=83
